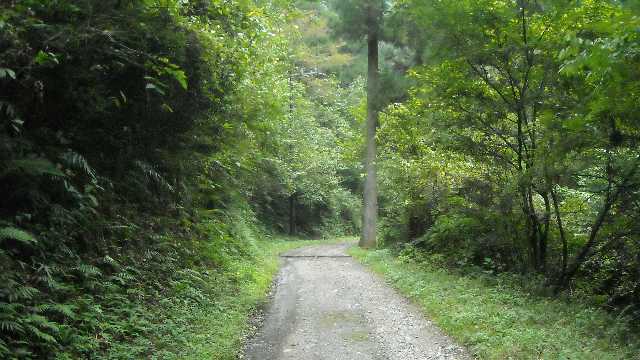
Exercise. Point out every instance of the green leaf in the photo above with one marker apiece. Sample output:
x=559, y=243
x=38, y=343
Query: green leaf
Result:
x=178, y=75
x=88, y=270
x=35, y=166
x=18, y=235
x=8, y=108
x=41, y=335
x=46, y=58
x=167, y=108
x=10, y=326
x=4, y=72
x=76, y=161
x=153, y=87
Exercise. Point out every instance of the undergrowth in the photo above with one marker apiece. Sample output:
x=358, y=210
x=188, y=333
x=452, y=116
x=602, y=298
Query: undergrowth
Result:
x=497, y=320
x=180, y=291
x=213, y=328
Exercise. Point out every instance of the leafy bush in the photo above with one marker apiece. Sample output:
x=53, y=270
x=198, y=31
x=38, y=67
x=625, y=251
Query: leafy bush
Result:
x=140, y=142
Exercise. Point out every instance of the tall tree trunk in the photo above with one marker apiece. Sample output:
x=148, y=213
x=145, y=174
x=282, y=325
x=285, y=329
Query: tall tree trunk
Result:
x=292, y=214
x=531, y=223
x=370, y=213
x=544, y=234
x=563, y=237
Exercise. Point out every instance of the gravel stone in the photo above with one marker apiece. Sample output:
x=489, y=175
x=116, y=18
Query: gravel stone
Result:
x=326, y=306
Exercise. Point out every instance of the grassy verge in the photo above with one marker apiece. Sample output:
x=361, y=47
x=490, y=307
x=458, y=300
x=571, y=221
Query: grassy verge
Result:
x=212, y=325
x=498, y=321
x=223, y=324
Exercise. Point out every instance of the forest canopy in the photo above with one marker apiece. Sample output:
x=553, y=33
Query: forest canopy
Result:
x=521, y=131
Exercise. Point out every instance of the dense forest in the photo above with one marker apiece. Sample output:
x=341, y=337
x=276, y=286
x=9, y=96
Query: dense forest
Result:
x=149, y=149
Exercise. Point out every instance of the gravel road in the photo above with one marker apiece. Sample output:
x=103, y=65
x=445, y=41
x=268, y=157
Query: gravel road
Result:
x=327, y=306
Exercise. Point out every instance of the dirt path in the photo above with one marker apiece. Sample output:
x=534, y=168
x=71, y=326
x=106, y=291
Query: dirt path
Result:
x=326, y=306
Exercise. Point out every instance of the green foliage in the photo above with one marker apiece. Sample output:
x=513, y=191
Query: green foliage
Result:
x=516, y=149
x=498, y=317
x=145, y=146
x=353, y=17
x=17, y=235
x=140, y=144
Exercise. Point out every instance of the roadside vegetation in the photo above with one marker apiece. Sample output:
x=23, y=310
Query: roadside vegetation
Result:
x=210, y=317
x=148, y=150
x=149, y=147
x=508, y=148
x=502, y=317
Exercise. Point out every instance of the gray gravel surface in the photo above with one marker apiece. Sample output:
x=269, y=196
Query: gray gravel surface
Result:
x=327, y=306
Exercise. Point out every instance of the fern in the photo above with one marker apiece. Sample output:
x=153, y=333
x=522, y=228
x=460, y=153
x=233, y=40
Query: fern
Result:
x=76, y=161
x=45, y=276
x=42, y=322
x=123, y=277
x=9, y=308
x=87, y=270
x=67, y=310
x=23, y=293
x=10, y=326
x=41, y=334
x=108, y=260
x=18, y=235
x=153, y=175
